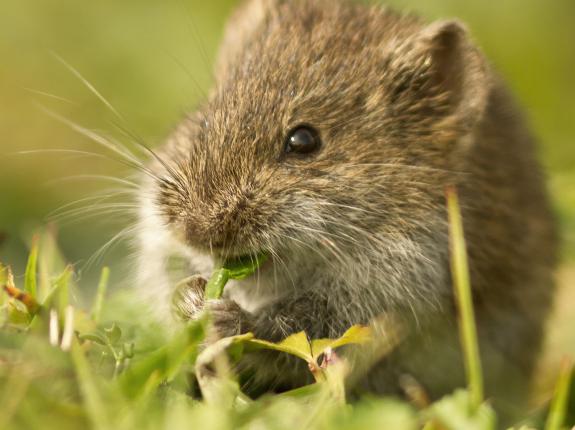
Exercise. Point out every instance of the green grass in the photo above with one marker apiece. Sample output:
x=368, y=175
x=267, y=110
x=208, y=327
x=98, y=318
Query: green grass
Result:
x=109, y=366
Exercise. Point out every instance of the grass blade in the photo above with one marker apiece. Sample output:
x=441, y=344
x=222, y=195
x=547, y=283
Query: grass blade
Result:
x=100, y=294
x=93, y=401
x=60, y=283
x=557, y=413
x=4, y=280
x=30, y=282
x=462, y=285
x=63, y=289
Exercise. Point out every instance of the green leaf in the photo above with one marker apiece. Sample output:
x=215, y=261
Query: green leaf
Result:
x=61, y=283
x=30, y=283
x=83, y=323
x=384, y=414
x=18, y=314
x=220, y=388
x=128, y=350
x=299, y=345
x=64, y=289
x=94, y=337
x=238, y=268
x=302, y=392
x=241, y=268
x=113, y=334
x=296, y=344
x=453, y=413
x=50, y=260
x=163, y=364
x=216, y=284
x=356, y=334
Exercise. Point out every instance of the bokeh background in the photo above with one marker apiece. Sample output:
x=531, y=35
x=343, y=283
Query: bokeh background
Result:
x=153, y=59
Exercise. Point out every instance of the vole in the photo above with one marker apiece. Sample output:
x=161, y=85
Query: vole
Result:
x=327, y=142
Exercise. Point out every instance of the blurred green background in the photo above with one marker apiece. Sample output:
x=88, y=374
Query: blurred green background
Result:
x=152, y=59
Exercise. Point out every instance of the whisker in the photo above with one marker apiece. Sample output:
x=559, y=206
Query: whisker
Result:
x=98, y=255
x=122, y=181
x=405, y=166
x=314, y=249
x=97, y=197
x=87, y=84
x=174, y=172
x=197, y=36
x=126, y=157
x=59, y=151
x=90, y=212
x=189, y=74
x=53, y=96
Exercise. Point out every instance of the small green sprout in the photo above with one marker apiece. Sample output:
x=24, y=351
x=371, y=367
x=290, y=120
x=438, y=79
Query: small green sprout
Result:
x=238, y=268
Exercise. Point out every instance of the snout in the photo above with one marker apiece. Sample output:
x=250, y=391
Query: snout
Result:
x=225, y=225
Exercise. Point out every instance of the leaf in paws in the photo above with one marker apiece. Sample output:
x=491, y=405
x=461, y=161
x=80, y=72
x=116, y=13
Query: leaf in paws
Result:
x=237, y=268
x=241, y=268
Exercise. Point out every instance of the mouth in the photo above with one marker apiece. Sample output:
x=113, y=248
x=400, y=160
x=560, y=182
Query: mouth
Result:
x=233, y=254
x=247, y=263
x=244, y=266
x=238, y=269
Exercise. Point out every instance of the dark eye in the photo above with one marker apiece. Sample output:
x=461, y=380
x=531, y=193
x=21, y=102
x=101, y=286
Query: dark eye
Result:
x=303, y=140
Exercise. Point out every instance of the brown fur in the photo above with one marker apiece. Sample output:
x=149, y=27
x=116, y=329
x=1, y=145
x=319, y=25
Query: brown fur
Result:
x=404, y=109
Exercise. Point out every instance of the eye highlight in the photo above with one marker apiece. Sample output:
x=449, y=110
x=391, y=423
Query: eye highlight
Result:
x=302, y=140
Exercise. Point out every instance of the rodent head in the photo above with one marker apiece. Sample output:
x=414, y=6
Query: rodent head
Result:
x=384, y=98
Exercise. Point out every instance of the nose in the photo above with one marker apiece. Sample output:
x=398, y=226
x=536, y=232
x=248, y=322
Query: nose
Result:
x=218, y=225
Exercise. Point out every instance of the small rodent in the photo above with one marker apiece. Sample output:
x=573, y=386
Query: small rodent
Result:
x=328, y=141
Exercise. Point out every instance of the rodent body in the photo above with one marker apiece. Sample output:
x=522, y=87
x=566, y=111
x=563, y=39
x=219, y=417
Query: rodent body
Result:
x=359, y=227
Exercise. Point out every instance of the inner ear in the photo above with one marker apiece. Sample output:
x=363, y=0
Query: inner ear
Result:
x=459, y=74
x=445, y=42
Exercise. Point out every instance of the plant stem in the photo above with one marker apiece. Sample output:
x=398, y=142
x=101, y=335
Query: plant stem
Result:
x=557, y=412
x=460, y=274
x=101, y=293
x=216, y=284
x=30, y=283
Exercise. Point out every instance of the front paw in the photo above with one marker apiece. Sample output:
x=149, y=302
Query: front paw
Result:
x=188, y=299
x=227, y=318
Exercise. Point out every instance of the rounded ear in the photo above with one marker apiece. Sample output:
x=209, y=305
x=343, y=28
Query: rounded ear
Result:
x=241, y=28
x=442, y=72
